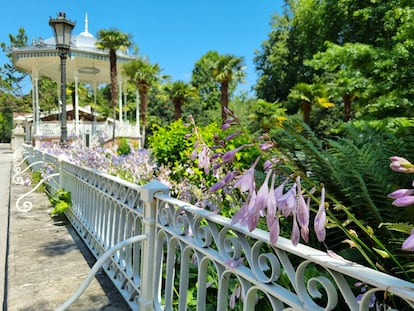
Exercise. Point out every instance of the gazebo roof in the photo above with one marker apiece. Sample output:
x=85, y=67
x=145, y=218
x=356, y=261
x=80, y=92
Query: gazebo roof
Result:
x=85, y=61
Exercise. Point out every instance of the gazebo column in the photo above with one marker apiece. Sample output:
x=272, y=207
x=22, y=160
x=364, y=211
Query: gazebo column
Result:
x=33, y=105
x=120, y=99
x=37, y=105
x=35, y=132
x=95, y=87
x=125, y=102
x=76, y=108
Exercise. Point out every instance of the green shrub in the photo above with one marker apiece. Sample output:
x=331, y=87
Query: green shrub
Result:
x=123, y=146
x=60, y=200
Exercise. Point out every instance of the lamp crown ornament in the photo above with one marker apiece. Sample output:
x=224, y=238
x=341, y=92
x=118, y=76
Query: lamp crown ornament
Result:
x=62, y=28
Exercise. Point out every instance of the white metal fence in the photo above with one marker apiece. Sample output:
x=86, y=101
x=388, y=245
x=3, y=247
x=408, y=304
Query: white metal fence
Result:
x=192, y=259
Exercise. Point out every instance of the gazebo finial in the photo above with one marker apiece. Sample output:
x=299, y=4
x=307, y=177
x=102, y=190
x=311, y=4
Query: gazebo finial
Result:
x=86, y=32
x=86, y=23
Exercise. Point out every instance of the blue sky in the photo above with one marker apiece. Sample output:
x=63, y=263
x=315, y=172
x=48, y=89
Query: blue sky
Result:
x=172, y=33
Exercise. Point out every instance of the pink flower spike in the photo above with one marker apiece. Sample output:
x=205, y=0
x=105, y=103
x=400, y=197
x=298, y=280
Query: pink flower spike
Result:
x=320, y=219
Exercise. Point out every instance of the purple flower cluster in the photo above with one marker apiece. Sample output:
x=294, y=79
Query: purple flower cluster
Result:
x=136, y=167
x=289, y=199
x=403, y=197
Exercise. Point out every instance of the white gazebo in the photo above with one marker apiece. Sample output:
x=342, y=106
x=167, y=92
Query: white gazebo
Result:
x=86, y=63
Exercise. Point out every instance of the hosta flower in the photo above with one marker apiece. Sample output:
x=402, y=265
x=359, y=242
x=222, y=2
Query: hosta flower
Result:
x=230, y=176
x=262, y=195
x=217, y=186
x=271, y=204
x=204, y=159
x=246, y=181
x=401, y=193
x=274, y=230
x=287, y=201
x=265, y=146
x=403, y=197
x=400, y=164
x=302, y=208
x=235, y=295
x=320, y=219
x=295, y=232
x=233, y=135
x=408, y=244
x=229, y=155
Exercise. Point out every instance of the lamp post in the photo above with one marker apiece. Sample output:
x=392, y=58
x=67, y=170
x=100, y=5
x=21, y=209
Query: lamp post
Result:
x=62, y=29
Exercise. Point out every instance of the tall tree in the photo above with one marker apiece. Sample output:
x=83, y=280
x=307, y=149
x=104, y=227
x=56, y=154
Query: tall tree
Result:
x=226, y=70
x=345, y=70
x=179, y=92
x=144, y=74
x=298, y=33
x=308, y=95
x=208, y=88
x=216, y=76
x=113, y=40
x=11, y=77
x=12, y=98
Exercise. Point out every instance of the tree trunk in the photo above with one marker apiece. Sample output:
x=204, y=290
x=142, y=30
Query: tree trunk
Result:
x=177, y=109
x=306, y=108
x=143, y=107
x=114, y=87
x=347, y=98
x=224, y=99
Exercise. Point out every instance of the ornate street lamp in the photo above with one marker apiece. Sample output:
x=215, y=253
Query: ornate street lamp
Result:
x=62, y=29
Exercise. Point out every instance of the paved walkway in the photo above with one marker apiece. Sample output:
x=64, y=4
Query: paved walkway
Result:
x=42, y=259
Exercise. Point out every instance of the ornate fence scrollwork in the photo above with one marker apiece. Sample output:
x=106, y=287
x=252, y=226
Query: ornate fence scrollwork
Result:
x=28, y=205
x=17, y=178
x=201, y=259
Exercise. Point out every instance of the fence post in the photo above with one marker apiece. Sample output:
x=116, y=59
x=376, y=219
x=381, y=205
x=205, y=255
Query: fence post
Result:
x=146, y=299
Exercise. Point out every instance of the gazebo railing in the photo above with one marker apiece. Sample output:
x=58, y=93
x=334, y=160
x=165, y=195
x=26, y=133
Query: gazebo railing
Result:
x=192, y=259
x=89, y=131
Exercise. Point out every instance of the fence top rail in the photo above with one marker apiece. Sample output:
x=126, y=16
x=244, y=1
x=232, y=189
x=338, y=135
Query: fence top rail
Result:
x=327, y=259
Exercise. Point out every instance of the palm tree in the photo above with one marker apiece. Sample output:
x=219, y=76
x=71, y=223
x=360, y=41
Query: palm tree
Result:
x=113, y=40
x=227, y=69
x=179, y=93
x=308, y=95
x=144, y=75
